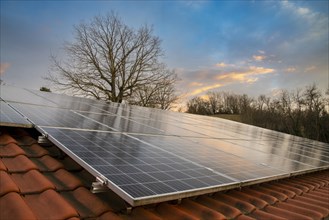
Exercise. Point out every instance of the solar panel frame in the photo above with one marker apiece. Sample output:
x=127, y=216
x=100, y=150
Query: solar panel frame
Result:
x=10, y=118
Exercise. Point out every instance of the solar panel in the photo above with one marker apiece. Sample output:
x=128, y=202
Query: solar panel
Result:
x=9, y=117
x=148, y=155
x=138, y=171
x=57, y=117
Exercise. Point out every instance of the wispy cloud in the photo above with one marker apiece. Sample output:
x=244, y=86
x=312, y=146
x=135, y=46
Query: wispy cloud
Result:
x=205, y=89
x=193, y=84
x=245, y=76
x=259, y=57
x=4, y=67
x=221, y=64
x=309, y=69
x=290, y=69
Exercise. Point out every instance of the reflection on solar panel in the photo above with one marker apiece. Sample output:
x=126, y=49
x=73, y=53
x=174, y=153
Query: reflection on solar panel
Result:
x=148, y=155
x=9, y=117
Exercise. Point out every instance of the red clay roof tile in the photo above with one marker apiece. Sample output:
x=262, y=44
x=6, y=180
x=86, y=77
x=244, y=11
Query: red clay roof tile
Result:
x=257, y=202
x=49, y=204
x=266, y=197
x=171, y=212
x=11, y=150
x=220, y=206
x=35, y=150
x=7, y=185
x=199, y=210
x=87, y=204
x=143, y=214
x=259, y=214
x=12, y=206
x=243, y=206
x=63, y=180
x=323, y=211
x=285, y=213
x=300, y=210
x=70, y=164
x=6, y=139
x=110, y=216
x=47, y=164
x=2, y=166
x=25, y=140
x=32, y=182
x=19, y=164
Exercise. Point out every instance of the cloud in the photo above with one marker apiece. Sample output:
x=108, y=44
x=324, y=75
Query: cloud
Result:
x=245, y=76
x=205, y=89
x=222, y=64
x=290, y=69
x=309, y=69
x=259, y=57
x=195, y=84
x=4, y=67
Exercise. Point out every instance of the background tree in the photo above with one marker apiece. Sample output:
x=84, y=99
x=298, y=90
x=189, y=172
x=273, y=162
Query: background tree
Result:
x=160, y=93
x=108, y=60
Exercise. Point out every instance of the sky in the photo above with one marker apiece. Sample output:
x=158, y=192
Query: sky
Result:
x=245, y=47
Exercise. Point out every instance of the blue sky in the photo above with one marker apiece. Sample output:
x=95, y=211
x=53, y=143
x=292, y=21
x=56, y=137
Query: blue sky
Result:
x=252, y=47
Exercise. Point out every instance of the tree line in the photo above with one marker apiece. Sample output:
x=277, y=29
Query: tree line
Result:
x=301, y=112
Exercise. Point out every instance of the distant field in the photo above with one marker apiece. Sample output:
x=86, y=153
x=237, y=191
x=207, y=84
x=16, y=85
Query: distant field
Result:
x=229, y=117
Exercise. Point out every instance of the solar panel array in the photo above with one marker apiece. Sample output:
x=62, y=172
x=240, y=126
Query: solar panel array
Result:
x=148, y=155
x=9, y=117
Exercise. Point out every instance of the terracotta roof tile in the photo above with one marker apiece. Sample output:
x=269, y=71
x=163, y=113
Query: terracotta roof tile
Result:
x=25, y=140
x=47, y=164
x=220, y=206
x=143, y=214
x=300, y=210
x=32, y=182
x=257, y=202
x=11, y=150
x=2, y=166
x=112, y=216
x=63, y=180
x=19, y=164
x=35, y=150
x=243, y=206
x=6, y=139
x=41, y=182
x=323, y=211
x=49, y=204
x=199, y=210
x=171, y=212
x=87, y=204
x=7, y=185
x=12, y=206
x=259, y=214
x=285, y=213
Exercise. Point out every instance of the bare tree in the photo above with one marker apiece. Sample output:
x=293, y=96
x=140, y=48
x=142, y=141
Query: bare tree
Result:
x=108, y=60
x=159, y=93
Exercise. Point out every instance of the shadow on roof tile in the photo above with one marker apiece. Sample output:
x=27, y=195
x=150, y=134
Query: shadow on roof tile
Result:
x=11, y=150
x=12, y=206
x=50, y=203
x=63, y=180
x=7, y=185
x=19, y=164
x=32, y=182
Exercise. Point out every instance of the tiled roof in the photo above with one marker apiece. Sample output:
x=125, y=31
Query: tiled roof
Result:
x=39, y=182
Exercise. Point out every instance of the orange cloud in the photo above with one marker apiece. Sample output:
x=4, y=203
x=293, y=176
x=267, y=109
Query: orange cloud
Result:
x=195, y=84
x=247, y=76
x=222, y=64
x=290, y=69
x=204, y=89
x=259, y=57
x=4, y=67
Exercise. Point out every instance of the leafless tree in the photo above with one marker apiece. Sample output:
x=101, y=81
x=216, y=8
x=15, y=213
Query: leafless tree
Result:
x=108, y=60
x=159, y=93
